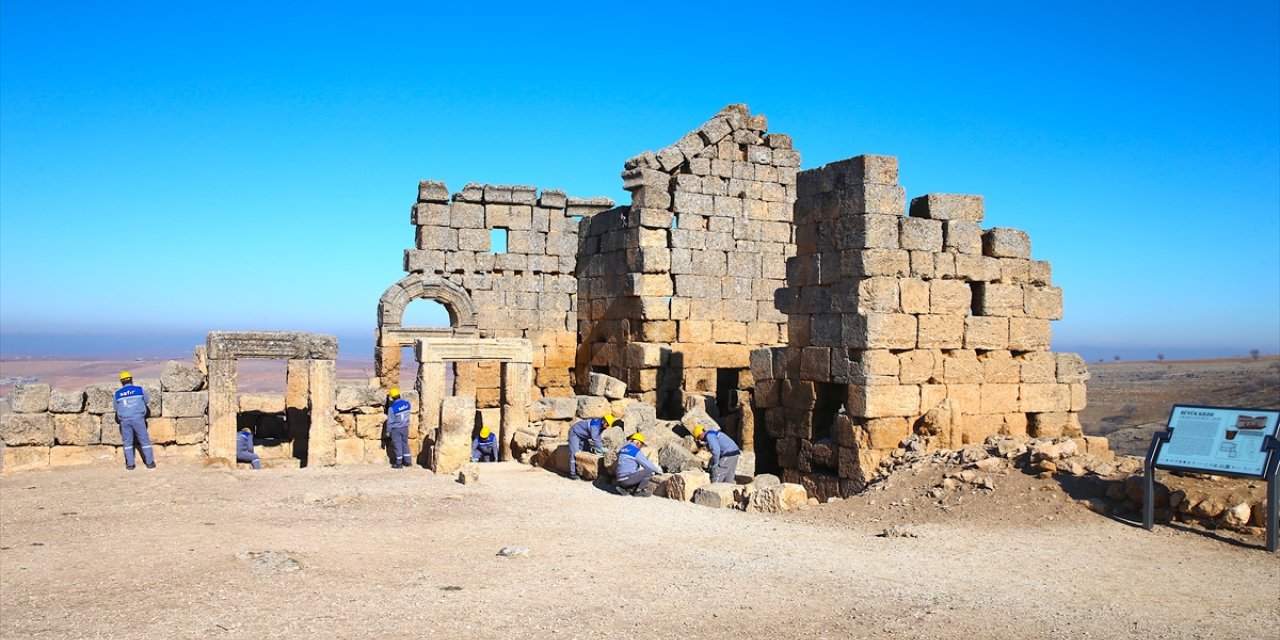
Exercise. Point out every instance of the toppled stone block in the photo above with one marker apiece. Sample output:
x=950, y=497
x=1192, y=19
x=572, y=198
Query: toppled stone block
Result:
x=682, y=485
x=674, y=457
x=181, y=377
x=719, y=495
x=468, y=474
x=777, y=498
x=27, y=429
x=354, y=397
x=590, y=465
x=66, y=401
x=612, y=388
x=29, y=398
x=592, y=407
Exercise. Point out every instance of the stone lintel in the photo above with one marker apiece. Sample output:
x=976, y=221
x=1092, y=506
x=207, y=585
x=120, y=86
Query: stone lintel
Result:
x=271, y=345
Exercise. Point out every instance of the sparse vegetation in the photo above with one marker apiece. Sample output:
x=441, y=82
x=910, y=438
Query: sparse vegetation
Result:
x=1255, y=354
x=1116, y=357
x=1160, y=357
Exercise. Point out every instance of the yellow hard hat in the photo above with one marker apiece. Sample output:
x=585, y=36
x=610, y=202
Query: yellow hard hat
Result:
x=609, y=419
x=699, y=430
x=484, y=432
x=125, y=375
x=638, y=437
x=246, y=429
x=394, y=392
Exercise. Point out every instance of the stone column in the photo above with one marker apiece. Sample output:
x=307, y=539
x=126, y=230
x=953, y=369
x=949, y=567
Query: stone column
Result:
x=517, y=383
x=387, y=364
x=296, y=390
x=222, y=409
x=457, y=424
x=321, y=447
x=430, y=395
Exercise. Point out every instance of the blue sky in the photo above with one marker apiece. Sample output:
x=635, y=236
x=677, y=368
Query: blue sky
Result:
x=171, y=168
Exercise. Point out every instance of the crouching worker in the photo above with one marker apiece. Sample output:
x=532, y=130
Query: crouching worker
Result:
x=244, y=448
x=724, y=453
x=635, y=470
x=586, y=433
x=484, y=447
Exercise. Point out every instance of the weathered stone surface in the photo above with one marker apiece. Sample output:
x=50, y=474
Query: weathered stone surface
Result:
x=61, y=401
x=592, y=407
x=29, y=398
x=262, y=402
x=777, y=498
x=682, y=485
x=589, y=465
x=674, y=457
x=353, y=397
x=25, y=458
x=70, y=456
x=192, y=430
x=947, y=206
x=76, y=428
x=718, y=494
x=185, y=404
x=178, y=376
x=601, y=385
x=27, y=428
x=469, y=474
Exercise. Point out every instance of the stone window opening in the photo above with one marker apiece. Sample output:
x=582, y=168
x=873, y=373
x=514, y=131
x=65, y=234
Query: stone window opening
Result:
x=830, y=398
x=498, y=239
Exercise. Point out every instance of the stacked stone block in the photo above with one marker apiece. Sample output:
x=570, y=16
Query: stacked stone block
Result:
x=924, y=323
x=58, y=427
x=681, y=284
x=527, y=291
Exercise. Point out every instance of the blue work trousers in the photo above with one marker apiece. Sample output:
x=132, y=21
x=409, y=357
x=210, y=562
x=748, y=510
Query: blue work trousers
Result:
x=131, y=428
x=637, y=480
x=400, y=445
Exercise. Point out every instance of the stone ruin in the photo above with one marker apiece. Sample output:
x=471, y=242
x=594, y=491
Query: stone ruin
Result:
x=813, y=315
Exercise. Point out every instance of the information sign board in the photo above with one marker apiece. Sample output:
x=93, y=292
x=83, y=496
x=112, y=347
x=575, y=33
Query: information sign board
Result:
x=1218, y=440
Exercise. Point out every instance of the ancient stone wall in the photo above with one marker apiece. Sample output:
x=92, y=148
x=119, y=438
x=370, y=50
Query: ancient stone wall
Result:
x=525, y=289
x=923, y=323
x=676, y=290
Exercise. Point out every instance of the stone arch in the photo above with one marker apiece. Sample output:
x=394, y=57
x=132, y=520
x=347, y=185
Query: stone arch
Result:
x=456, y=300
x=394, y=336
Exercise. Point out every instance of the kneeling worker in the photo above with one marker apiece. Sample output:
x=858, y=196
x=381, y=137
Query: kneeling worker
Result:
x=244, y=448
x=586, y=433
x=484, y=447
x=634, y=468
x=724, y=453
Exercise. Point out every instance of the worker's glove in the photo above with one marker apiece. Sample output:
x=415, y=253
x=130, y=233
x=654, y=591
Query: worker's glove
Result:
x=475, y=459
x=598, y=451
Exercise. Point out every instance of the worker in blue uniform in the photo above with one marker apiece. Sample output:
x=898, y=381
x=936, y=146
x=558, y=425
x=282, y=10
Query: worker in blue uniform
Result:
x=724, y=452
x=244, y=448
x=484, y=447
x=634, y=470
x=131, y=413
x=398, y=430
x=586, y=433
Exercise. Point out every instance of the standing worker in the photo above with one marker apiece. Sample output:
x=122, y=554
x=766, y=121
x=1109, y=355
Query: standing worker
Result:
x=244, y=448
x=484, y=447
x=634, y=468
x=398, y=430
x=131, y=414
x=586, y=433
x=724, y=453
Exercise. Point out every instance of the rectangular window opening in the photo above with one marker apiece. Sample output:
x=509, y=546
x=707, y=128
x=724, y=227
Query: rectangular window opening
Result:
x=498, y=240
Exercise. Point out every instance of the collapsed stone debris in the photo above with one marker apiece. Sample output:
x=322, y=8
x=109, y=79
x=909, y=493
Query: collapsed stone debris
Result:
x=818, y=317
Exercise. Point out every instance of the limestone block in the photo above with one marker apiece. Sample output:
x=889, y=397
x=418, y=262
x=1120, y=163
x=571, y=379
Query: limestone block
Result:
x=719, y=495
x=950, y=297
x=674, y=457
x=986, y=332
x=920, y=234
x=350, y=451
x=682, y=485
x=100, y=398
x=29, y=398
x=599, y=384
x=429, y=214
x=887, y=433
x=457, y=424
x=729, y=332
x=185, y=404
x=24, y=458
x=879, y=331
x=1043, y=302
x=162, y=430
x=423, y=260
x=1038, y=367
x=998, y=399
x=947, y=206
x=262, y=402
x=432, y=191
x=155, y=398
x=66, y=401
x=178, y=376
x=919, y=366
x=965, y=398
x=590, y=465
x=922, y=264
x=1000, y=367
x=941, y=331
x=1078, y=396
x=869, y=231
x=27, y=428
x=350, y=397
x=876, y=262
x=1049, y=424
x=1005, y=242
x=81, y=455
x=815, y=363
x=76, y=428
x=997, y=299
x=1044, y=398
x=1015, y=424
x=370, y=426
x=438, y=238
x=1015, y=270
x=977, y=268
x=1029, y=334
x=961, y=366
x=778, y=498
x=109, y=430
x=746, y=467
x=881, y=401
x=962, y=236
x=914, y=295
x=976, y=428
x=878, y=295
x=187, y=430
x=592, y=406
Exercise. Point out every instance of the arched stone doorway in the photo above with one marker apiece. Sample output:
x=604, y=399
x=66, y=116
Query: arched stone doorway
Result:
x=393, y=336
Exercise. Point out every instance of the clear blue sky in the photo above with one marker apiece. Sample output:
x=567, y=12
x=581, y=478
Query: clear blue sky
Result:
x=180, y=167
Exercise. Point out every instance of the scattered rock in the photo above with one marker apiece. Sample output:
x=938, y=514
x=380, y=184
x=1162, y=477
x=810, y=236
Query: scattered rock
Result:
x=899, y=531
x=513, y=551
x=468, y=474
x=270, y=561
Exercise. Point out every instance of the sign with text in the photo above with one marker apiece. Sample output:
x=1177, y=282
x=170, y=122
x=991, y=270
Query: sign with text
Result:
x=1218, y=440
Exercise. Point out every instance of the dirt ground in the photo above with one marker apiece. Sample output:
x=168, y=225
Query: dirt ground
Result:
x=186, y=552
